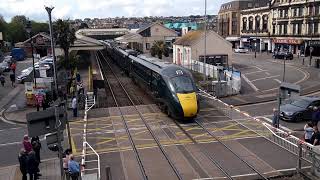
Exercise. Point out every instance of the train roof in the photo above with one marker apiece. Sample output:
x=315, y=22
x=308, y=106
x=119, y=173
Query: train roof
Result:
x=161, y=67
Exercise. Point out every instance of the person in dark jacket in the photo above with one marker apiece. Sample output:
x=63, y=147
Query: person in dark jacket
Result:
x=12, y=79
x=315, y=115
x=32, y=166
x=36, y=146
x=23, y=158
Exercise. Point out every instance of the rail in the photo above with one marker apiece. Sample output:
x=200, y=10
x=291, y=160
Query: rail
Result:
x=147, y=126
x=90, y=102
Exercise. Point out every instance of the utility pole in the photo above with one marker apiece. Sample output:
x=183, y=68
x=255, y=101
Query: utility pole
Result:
x=49, y=10
x=205, y=42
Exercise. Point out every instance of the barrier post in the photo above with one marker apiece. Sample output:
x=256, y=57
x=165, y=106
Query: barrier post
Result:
x=299, y=154
x=108, y=173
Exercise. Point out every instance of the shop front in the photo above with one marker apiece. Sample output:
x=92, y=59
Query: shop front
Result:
x=296, y=46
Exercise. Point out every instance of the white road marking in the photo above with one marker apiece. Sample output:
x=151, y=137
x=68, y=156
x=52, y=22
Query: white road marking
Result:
x=254, y=72
x=264, y=78
x=277, y=80
x=2, y=119
x=258, y=68
x=250, y=83
x=10, y=129
x=270, y=121
x=267, y=73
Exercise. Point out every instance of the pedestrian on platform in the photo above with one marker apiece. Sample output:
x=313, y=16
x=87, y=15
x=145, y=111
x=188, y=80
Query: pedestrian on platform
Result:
x=74, y=106
x=308, y=132
x=32, y=166
x=23, y=158
x=316, y=136
x=74, y=168
x=80, y=88
x=36, y=146
x=2, y=79
x=72, y=90
x=12, y=79
x=27, y=144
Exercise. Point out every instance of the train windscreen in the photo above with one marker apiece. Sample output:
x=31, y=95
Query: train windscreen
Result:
x=182, y=84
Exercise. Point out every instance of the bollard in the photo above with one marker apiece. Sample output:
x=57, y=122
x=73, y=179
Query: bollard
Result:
x=302, y=61
x=108, y=173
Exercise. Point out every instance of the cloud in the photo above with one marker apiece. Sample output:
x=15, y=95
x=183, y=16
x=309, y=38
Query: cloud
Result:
x=106, y=8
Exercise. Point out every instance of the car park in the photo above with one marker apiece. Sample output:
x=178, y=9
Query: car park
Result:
x=299, y=109
x=282, y=55
x=241, y=50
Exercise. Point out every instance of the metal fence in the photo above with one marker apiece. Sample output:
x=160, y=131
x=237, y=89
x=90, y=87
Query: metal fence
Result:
x=90, y=102
x=304, y=151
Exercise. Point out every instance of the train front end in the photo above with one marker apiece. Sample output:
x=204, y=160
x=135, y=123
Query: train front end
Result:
x=183, y=90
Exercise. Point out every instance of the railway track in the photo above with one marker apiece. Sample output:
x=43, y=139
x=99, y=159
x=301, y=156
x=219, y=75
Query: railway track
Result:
x=117, y=92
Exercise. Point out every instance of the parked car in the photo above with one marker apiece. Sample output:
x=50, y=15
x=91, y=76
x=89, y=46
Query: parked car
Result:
x=8, y=59
x=282, y=55
x=24, y=74
x=18, y=54
x=4, y=67
x=241, y=50
x=299, y=109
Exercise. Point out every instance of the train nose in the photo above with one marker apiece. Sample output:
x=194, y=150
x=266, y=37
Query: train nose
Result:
x=188, y=103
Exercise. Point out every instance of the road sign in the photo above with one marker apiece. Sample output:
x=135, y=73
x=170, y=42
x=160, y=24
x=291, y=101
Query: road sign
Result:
x=44, y=122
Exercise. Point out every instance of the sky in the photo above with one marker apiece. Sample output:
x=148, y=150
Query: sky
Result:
x=80, y=9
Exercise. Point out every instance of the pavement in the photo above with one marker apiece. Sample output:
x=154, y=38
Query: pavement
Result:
x=13, y=127
x=263, y=75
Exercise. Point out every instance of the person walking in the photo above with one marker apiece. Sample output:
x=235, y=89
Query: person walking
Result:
x=74, y=168
x=2, y=79
x=315, y=115
x=275, y=118
x=12, y=79
x=13, y=67
x=308, y=131
x=27, y=144
x=74, y=106
x=36, y=145
x=23, y=158
x=315, y=136
x=66, y=159
x=32, y=166
x=78, y=77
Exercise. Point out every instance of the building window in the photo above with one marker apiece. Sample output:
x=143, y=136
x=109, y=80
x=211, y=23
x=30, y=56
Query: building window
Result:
x=265, y=22
x=147, y=46
x=310, y=28
x=273, y=29
x=285, y=27
x=299, y=28
x=249, y=5
x=294, y=29
x=281, y=13
x=300, y=11
x=250, y=23
x=244, y=23
x=257, y=23
x=280, y=29
x=316, y=28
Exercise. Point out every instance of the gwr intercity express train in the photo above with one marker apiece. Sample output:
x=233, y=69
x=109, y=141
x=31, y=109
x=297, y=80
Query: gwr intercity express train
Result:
x=170, y=85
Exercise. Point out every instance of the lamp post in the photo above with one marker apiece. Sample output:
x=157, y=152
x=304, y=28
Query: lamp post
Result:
x=205, y=42
x=310, y=47
x=29, y=29
x=49, y=10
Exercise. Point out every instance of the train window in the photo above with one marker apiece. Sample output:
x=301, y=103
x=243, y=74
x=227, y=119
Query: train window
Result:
x=182, y=84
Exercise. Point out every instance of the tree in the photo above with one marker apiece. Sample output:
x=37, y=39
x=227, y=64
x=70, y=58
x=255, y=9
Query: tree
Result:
x=65, y=37
x=159, y=48
x=19, y=19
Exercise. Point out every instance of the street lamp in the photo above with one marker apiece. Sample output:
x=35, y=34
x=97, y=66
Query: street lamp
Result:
x=310, y=47
x=205, y=42
x=49, y=10
x=29, y=29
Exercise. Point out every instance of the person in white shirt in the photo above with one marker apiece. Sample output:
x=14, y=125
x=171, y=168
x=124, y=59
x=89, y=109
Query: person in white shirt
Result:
x=74, y=107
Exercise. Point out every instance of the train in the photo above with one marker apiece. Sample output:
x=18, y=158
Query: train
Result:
x=172, y=86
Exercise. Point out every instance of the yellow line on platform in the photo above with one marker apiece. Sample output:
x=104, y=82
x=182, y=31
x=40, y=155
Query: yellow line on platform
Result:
x=74, y=149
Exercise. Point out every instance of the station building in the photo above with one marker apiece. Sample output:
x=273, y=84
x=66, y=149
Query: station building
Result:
x=190, y=47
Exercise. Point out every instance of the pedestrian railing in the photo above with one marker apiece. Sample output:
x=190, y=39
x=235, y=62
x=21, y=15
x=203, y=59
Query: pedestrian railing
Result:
x=286, y=140
x=90, y=102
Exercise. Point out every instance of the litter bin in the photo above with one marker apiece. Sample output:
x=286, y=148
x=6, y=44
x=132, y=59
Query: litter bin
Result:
x=317, y=64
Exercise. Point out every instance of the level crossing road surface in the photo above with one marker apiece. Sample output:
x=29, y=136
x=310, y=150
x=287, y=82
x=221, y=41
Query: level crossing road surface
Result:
x=106, y=134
